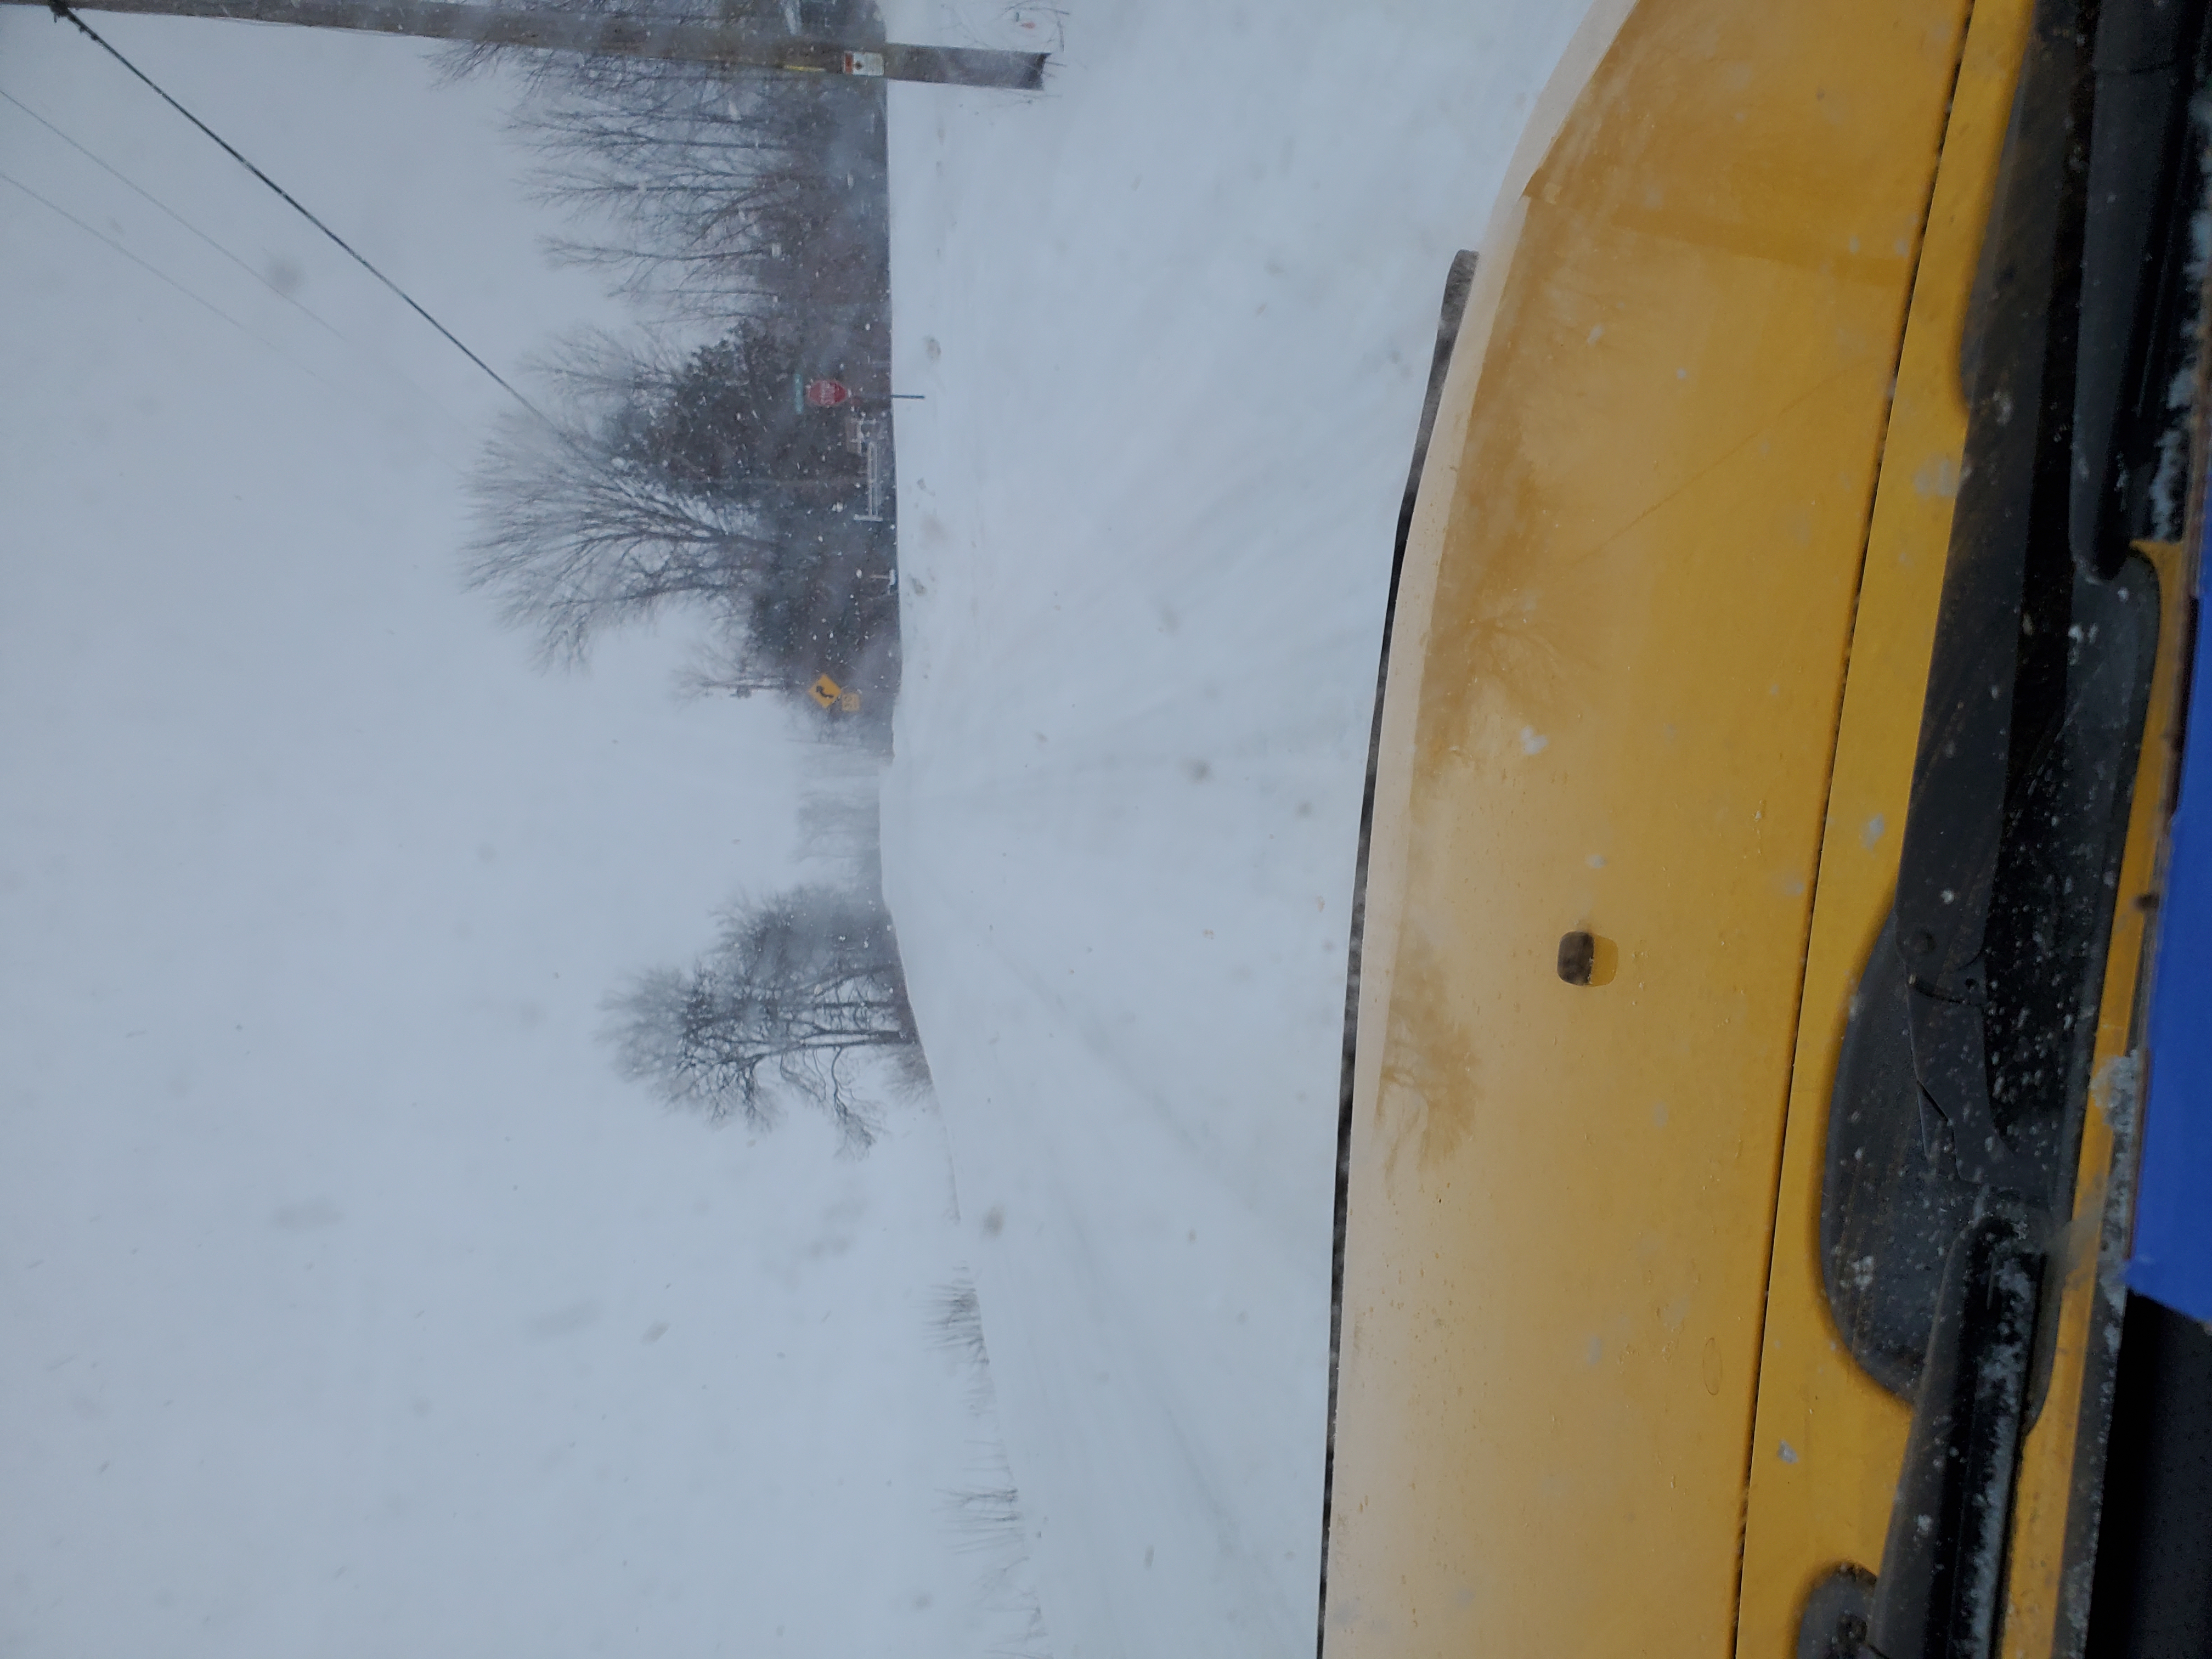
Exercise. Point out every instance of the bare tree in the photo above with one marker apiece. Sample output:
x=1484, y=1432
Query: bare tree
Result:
x=793, y=996
x=726, y=667
x=708, y=191
x=708, y=475
x=715, y=191
x=662, y=478
x=578, y=530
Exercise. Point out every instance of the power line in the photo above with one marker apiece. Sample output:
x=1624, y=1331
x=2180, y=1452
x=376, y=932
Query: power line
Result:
x=244, y=266
x=61, y=10
x=125, y=181
x=152, y=270
x=161, y=275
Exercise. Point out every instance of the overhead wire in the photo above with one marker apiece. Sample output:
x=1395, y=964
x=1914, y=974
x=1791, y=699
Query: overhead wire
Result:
x=161, y=276
x=244, y=266
x=61, y=10
x=128, y=183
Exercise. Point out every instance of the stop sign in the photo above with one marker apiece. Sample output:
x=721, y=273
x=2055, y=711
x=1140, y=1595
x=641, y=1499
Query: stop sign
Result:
x=826, y=394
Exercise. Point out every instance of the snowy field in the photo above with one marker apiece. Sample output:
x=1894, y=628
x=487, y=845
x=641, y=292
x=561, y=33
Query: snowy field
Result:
x=350, y=1305
x=1172, y=319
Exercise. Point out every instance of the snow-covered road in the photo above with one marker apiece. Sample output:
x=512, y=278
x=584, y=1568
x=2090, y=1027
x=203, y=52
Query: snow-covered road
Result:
x=1172, y=319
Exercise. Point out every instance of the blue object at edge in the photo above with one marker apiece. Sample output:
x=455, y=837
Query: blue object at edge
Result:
x=2173, y=1257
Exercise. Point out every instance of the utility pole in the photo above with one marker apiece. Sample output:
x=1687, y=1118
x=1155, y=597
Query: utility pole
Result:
x=675, y=41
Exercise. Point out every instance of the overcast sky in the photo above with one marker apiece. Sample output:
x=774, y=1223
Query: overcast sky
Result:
x=349, y=1303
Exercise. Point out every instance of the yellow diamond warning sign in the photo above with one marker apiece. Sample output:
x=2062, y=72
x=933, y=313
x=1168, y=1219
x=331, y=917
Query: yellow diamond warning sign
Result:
x=824, y=690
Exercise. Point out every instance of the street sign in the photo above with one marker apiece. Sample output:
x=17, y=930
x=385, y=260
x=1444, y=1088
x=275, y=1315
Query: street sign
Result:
x=827, y=394
x=824, y=690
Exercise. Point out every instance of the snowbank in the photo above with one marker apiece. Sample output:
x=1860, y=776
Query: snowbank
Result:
x=1172, y=319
